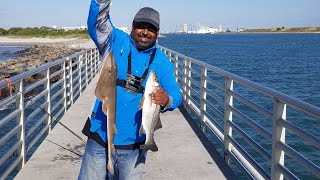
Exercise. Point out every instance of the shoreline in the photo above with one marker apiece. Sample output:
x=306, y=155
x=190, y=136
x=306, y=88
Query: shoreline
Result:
x=72, y=43
x=39, y=52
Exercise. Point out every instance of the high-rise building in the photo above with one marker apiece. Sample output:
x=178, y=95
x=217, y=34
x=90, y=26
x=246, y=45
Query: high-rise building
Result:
x=185, y=28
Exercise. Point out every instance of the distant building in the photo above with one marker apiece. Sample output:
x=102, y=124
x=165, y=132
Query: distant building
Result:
x=185, y=28
x=74, y=28
x=200, y=29
x=206, y=30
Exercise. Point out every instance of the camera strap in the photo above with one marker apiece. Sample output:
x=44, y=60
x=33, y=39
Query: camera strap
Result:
x=146, y=71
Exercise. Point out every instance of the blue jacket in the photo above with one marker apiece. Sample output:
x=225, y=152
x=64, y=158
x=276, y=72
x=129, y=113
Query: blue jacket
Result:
x=128, y=115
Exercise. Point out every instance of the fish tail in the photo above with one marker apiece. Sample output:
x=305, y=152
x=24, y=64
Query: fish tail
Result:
x=150, y=146
x=110, y=164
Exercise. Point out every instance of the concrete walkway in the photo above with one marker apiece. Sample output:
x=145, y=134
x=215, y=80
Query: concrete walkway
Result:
x=183, y=150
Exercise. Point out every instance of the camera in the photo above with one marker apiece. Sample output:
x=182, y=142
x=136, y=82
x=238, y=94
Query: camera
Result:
x=133, y=84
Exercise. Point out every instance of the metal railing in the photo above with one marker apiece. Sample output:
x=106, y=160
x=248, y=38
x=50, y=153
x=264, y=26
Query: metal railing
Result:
x=248, y=120
x=226, y=105
x=53, y=88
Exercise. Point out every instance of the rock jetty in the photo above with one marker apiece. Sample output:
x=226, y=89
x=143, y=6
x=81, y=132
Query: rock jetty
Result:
x=41, y=51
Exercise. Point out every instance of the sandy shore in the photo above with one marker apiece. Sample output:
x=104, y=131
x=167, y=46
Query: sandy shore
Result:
x=72, y=43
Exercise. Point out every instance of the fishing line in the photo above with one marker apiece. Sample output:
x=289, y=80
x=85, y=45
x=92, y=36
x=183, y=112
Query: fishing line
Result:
x=54, y=119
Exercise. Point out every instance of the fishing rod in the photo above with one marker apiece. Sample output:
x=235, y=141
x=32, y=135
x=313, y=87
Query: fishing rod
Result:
x=54, y=119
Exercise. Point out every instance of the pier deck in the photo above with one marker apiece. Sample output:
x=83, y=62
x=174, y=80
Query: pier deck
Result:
x=183, y=150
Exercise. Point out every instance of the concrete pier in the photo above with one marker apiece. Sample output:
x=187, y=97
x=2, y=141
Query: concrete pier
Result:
x=184, y=151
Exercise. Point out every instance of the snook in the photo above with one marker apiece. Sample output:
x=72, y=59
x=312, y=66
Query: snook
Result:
x=106, y=92
x=150, y=113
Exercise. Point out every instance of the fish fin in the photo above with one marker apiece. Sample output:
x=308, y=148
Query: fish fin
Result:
x=113, y=149
x=110, y=166
x=159, y=125
x=115, y=130
x=152, y=146
x=104, y=107
x=141, y=103
x=141, y=130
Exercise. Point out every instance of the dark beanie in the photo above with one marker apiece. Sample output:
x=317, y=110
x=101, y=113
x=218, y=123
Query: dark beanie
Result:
x=148, y=15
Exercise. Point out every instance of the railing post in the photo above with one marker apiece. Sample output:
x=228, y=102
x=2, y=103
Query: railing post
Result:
x=176, y=65
x=96, y=59
x=203, y=106
x=185, y=82
x=70, y=81
x=63, y=66
x=46, y=74
x=21, y=121
x=278, y=135
x=91, y=68
x=86, y=69
x=94, y=62
x=227, y=117
x=169, y=55
x=80, y=73
x=189, y=82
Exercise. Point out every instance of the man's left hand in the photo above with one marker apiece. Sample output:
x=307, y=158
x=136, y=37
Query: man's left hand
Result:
x=160, y=97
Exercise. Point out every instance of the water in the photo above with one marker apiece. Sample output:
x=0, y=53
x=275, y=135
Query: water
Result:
x=289, y=63
x=7, y=52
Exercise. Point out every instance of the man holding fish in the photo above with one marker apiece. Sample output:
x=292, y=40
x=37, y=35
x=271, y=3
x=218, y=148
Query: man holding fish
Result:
x=135, y=84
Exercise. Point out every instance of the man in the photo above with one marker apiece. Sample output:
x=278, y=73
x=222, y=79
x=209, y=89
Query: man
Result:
x=136, y=53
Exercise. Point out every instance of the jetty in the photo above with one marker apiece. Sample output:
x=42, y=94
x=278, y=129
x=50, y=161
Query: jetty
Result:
x=211, y=136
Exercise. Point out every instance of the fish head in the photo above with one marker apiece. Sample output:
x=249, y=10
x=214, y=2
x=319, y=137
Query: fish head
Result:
x=153, y=81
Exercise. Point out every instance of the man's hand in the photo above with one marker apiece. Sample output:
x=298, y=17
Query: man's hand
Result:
x=160, y=97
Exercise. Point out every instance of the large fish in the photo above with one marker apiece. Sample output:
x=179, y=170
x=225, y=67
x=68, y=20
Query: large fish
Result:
x=106, y=92
x=150, y=113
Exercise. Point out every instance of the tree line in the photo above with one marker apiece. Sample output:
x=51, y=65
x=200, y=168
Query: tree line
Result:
x=44, y=32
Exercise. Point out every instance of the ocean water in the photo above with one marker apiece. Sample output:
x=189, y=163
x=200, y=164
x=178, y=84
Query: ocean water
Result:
x=288, y=63
x=7, y=52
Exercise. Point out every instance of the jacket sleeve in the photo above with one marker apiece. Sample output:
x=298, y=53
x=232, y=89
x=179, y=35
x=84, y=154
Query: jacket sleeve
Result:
x=168, y=83
x=100, y=27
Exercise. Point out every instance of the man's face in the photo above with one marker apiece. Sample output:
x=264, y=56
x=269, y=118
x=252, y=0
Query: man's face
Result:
x=144, y=35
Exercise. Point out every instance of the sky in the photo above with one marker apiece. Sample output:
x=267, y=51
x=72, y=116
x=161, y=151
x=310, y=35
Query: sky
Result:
x=229, y=14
